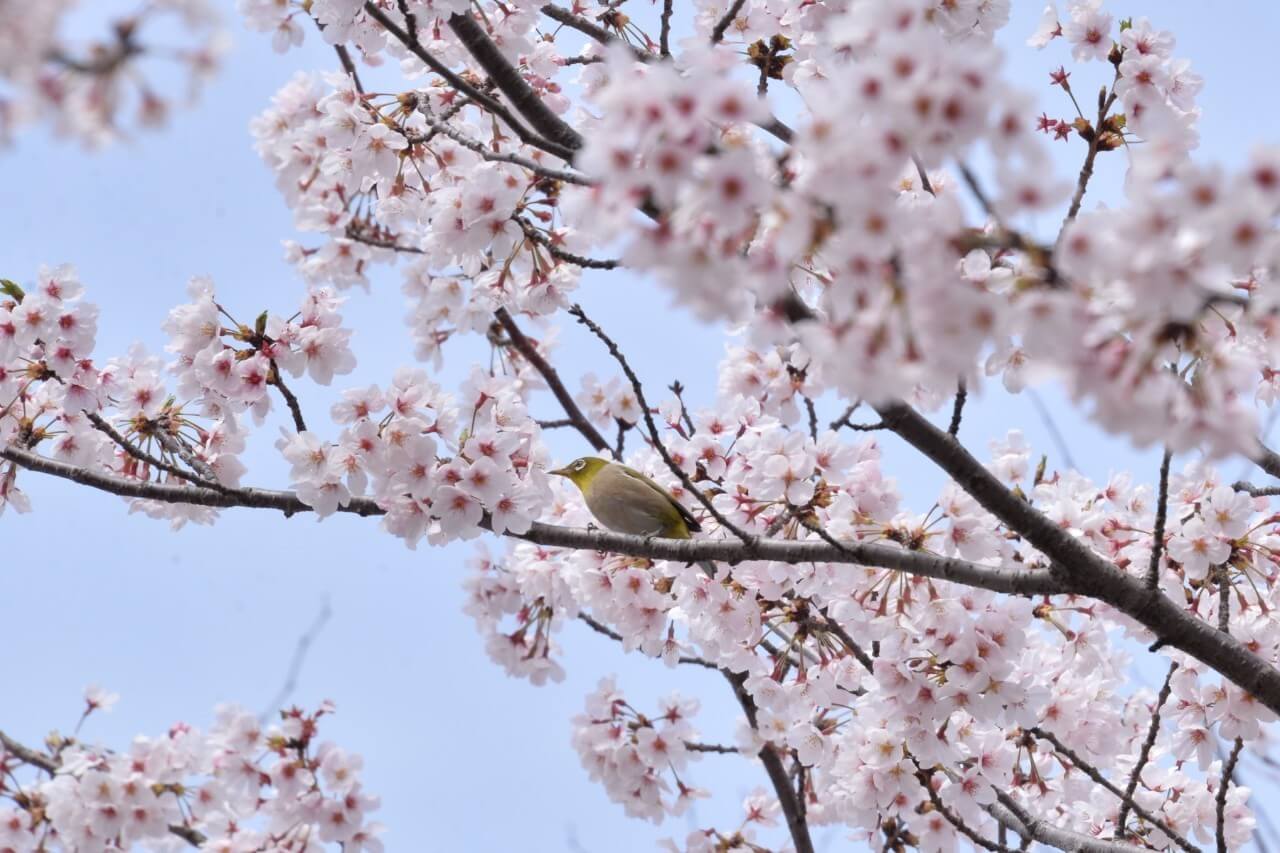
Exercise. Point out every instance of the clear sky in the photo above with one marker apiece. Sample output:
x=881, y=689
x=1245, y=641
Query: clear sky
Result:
x=464, y=758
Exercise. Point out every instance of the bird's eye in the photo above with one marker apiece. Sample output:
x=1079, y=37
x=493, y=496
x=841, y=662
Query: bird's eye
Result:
x=579, y=465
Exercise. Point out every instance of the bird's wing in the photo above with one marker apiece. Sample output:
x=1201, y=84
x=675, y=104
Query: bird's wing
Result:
x=689, y=520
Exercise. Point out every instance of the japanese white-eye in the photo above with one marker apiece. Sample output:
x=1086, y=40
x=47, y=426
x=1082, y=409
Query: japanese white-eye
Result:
x=626, y=501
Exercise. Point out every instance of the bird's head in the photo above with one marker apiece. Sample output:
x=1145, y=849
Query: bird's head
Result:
x=581, y=471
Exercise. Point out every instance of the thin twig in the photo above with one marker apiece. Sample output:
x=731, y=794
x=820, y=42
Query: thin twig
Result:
x=717, y=34
x=843, y=420
x=664, y=35
x=957, y=411
x=925, y=183
x=526, y=348
x=27, y=755
x=348, y=66
x=1055, y=435
x=813, y=417
x=480, y=98
x=472, y=144
x=926, y=779
x=1018, y=581
x=103, y=426
x=290, y=399
x=560, y=254
x=1256, y=491
x=295, y=663
x=694, y=746
x=797, y=825
x=1228, y=769
x=1144, y=754
x=1162, y=510
x=654, y=435
x=603, y=629
x=1126, y=799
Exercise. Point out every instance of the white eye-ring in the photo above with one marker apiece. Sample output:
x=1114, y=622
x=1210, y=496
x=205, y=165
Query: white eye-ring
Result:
x=579, y=465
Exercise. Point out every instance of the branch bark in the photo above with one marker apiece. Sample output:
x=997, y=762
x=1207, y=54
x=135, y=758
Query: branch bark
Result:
x=796, y=823
x=1082, y=570
x=525, y=347
x=996, y=578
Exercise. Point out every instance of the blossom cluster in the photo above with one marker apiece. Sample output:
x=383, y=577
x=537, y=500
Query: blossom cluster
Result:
x=239, y=786
x=86, y=90
x=638, y=758
x=438, y=466
x=908, y=707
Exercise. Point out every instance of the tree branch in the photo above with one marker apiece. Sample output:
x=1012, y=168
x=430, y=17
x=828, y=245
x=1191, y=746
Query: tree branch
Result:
x=1008, y=812
x=513, y=85
x=1081, y=569
x=998, y=579
x=1126, y=798
x=1228, y=768
x=480, y=98
x=525, y=347
x=1157, y=538
x=1153, y=730
x=717, y=34
x=46, y=763
x=654, y=435
x=796, y=823
x=560, y=254
x=439, y=127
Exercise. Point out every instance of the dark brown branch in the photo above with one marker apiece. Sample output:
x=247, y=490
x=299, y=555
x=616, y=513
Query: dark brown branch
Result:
x=510, y=82
x=1032, y=828
x=843, y=420
x=926, y=779
x=525, y=347
x=1126, y=799
x=1086, y=169
x=1144, y=754
x=377, y=243
x=593, y=31
x=560, y=254
x=439, y=127
x=348, y=66
x=813, y=417
x=957, y=410
x=1228, y=769
x=1267, y=459
x=410, y=20
x=601, y=628
x=1224, y=599
x=664, y=34
x=299, y=657
x=1162, y=510
x=998, y=579
x=654, y=436
x=694, y=746
x=480, y=98
x=46, y=763
x=1082, y=569
x=925, y=183
x=103, y=426
x=796, y=823
x=717, y=34
x=290, y=399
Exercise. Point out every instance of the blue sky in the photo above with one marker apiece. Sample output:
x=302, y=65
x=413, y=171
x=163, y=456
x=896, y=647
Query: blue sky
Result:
x=464, y=758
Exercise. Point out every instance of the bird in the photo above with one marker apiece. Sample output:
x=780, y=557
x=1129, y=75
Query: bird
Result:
x=626, y=501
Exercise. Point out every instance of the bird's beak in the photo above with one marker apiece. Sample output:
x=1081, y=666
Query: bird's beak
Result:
x=560, y=472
